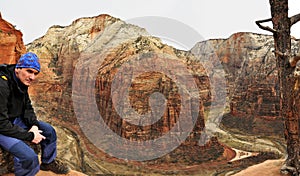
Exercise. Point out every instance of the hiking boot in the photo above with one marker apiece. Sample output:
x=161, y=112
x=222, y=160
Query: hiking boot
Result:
x=55, y=166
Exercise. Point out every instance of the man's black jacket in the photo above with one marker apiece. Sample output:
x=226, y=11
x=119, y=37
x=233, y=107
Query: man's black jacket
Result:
x=14, y=102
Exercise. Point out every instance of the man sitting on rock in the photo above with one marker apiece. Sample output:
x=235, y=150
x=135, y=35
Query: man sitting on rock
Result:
x=18, y=122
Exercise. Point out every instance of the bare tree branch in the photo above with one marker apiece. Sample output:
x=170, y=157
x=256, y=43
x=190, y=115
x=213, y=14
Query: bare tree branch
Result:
x=294, y=19
x=267, y=28
x=293, y=59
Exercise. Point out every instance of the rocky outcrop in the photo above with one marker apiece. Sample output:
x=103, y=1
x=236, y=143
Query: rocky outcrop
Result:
x=11, y=43
x=270, y=167
x=86, y=57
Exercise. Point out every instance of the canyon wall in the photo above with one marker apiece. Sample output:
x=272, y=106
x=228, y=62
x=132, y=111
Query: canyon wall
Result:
x=253, y=92
x=76, y=89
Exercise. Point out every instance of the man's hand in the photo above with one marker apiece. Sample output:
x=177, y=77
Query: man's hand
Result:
x=37, y=134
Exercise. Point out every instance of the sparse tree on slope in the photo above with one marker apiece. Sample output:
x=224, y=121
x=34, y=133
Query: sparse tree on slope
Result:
x=286, y=64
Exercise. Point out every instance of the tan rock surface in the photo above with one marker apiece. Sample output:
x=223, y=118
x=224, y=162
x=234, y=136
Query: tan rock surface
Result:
x=267, y=168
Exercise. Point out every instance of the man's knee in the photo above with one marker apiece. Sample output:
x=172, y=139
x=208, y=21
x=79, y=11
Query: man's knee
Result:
x=29, y=162
x=25, y=155
x=29, y=165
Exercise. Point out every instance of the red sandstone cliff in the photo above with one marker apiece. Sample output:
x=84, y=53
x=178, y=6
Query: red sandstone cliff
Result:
x=251, y=76
x=87, y=55
x=11, y=43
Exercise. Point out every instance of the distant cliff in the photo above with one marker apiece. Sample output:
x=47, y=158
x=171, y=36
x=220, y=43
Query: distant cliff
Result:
x=252, y=86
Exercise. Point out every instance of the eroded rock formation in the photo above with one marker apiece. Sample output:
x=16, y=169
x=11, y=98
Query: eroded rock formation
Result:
x=86, y=57
x=11, y=43
x=249, y=63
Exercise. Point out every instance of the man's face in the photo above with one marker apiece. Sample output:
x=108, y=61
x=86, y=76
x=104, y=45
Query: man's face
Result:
x=26, y=75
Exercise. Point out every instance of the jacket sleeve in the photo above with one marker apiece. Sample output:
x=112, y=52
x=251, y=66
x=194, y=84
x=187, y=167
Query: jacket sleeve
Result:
x=30, y=118
x=6, y=127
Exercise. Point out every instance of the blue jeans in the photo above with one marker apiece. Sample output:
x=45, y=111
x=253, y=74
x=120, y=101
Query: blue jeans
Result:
x=26, y=161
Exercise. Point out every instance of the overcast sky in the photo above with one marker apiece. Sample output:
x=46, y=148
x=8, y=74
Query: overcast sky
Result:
x=209, y=18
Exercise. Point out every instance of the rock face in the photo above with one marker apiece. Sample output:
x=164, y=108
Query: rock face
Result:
x=271, y=167
x=11, y=43
x=86, y=57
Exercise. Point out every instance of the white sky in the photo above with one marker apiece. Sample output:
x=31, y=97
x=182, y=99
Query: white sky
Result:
x=210, y=18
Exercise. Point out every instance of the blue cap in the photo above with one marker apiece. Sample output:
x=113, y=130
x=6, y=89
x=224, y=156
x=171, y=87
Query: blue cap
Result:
x=29, y=60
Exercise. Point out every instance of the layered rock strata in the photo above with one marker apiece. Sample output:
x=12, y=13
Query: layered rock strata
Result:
x=11, y=43
x=78, y=89
x=252, y=85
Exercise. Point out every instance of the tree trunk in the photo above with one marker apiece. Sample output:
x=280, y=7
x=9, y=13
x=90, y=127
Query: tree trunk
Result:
x=282, y=44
